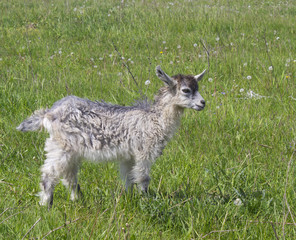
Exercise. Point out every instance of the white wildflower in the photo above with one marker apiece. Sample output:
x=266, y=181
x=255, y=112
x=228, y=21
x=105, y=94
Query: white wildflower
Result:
x=147, y=82
x=195, y=45
x=101, y=58
x=249, y=77
x=164, y=42
x=171, y=62
x=277, y=38
x=270, y=68
x=241, y=90
x=179, y=46
x=237, y=202
x=217, y=39
x=251, y=94
x=245, y=64
x=75, y=9
x=210, y=79
x=95, y=66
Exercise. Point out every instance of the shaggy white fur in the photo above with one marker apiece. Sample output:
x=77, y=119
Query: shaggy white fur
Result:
x=134, y=135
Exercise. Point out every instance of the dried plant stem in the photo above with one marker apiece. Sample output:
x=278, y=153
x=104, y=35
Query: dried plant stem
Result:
x=31, y=228
x=285, y=198
x=276, y=236
x=90, y=237
x=128, y=69
x=284, y=222
x=177, y=205
x=207, y=52
x=11, y=216
x=268, y=55
x=270, y=222
x=113, y=217
x=60, y=227
x=219, y=231
x=4, y=211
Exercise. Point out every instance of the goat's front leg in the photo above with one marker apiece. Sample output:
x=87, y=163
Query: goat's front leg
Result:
x=140, y=174
x=125, y=172
x=74, y=187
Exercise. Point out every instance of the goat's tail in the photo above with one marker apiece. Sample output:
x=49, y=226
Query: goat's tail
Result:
x=34, y=122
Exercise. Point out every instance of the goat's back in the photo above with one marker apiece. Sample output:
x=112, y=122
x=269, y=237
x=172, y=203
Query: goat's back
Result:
x=88, y=127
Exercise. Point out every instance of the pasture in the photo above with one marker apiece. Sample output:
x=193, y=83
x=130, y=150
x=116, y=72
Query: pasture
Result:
x=229, y=172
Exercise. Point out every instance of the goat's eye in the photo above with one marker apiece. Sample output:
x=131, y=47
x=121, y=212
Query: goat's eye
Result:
x=186, y=90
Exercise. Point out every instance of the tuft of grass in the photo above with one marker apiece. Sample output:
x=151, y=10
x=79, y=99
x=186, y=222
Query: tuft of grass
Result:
x=229, y=171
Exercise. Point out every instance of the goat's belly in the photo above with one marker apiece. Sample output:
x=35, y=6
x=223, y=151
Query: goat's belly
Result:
x=103, y=155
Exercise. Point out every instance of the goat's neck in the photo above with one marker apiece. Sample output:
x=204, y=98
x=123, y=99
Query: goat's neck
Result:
x=168, y=111
x=170, y=116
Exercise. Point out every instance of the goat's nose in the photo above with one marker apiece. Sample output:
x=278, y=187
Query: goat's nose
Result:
x=203, y=102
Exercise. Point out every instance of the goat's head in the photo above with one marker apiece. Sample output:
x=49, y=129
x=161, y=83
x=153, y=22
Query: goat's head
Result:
x=184, y=89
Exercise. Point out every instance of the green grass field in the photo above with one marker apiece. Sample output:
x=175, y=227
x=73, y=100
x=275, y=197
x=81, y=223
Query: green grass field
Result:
x=229, y=171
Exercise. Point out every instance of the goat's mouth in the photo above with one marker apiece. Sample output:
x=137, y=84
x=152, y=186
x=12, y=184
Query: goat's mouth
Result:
x=198, y=107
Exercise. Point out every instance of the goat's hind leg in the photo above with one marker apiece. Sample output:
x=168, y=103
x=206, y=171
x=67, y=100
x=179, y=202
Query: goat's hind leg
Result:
x=50, y=171
x=47, y=185
x=49, y=179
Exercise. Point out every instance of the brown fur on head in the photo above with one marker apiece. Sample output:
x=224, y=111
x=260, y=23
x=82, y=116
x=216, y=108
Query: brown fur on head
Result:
x=187, y=80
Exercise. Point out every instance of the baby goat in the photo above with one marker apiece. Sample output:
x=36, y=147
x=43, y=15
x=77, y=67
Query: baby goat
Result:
x=134, y=135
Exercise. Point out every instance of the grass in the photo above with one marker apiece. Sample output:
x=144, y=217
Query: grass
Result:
x=229, y=171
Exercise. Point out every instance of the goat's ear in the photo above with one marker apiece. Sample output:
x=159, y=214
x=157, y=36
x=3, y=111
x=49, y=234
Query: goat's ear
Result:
x=200, y=76
x=164, y=77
